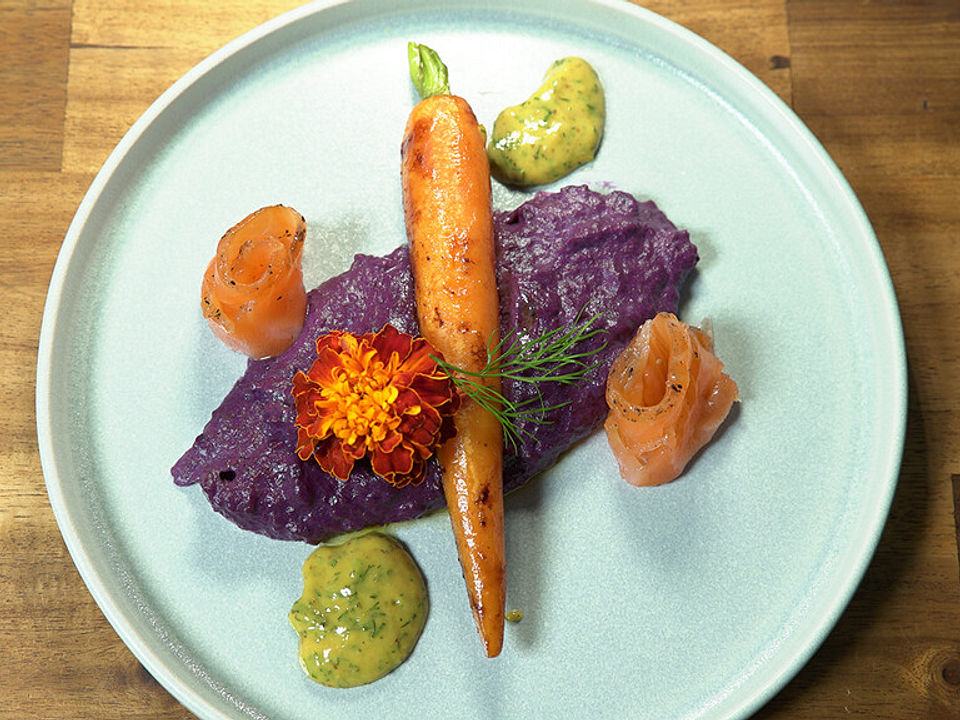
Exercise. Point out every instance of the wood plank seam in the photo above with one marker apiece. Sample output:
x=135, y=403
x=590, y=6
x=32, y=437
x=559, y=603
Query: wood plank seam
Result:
x=955, y=481
x=109, y=46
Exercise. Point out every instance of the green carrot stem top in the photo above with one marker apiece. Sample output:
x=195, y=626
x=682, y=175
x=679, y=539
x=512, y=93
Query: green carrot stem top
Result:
x=427, y=71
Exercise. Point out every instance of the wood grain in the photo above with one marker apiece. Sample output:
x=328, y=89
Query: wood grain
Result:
x=33, y=62
x=878, y=82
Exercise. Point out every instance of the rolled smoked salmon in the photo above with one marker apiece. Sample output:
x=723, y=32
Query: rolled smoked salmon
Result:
x=252, y=292
x=667, y=394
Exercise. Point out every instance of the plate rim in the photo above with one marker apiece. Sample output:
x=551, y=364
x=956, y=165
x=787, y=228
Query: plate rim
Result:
x=93, y=576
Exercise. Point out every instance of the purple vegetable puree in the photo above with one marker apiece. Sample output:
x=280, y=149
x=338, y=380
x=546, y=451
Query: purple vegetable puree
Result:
x=558, y=254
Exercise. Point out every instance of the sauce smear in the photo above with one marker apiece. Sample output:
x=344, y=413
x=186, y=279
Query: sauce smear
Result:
x=363, y=607
x=554, y=131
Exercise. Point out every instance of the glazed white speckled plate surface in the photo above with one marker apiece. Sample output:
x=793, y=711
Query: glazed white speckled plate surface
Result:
x=698, y=599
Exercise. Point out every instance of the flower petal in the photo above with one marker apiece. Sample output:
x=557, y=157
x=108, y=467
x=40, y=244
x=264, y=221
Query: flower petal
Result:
x=331, y=458
x=388, y=465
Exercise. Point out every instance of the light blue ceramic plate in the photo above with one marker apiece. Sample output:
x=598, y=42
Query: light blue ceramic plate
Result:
x=697, y=599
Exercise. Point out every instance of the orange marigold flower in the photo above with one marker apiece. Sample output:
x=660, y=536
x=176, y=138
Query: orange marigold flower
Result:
x=377, y=395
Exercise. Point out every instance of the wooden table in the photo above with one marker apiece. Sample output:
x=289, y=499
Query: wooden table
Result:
x=877, y=81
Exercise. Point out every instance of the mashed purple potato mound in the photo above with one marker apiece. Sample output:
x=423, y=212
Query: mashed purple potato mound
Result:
x=557, y=254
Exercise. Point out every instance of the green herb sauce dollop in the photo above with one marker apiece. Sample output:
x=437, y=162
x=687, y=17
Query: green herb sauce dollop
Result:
x=554, y=131
x=363, y=607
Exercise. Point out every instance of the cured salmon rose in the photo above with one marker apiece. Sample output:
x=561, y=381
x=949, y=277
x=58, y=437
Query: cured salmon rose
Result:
x=252, y=292
x=667, y=394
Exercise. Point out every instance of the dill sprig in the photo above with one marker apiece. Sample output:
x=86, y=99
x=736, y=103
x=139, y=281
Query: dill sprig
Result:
x=551, y=357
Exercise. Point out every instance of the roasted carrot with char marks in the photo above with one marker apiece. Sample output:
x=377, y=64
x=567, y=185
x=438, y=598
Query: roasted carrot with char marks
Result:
x=449, y=221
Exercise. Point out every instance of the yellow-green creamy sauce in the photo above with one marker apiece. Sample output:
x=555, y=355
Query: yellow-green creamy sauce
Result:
x=363, y=607
x=554, y=131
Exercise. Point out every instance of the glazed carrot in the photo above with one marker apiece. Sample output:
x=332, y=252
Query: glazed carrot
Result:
x=668, y=395
x=449, y=220
x=252, y=292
